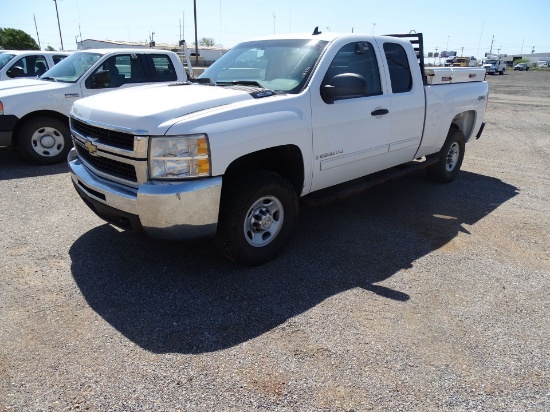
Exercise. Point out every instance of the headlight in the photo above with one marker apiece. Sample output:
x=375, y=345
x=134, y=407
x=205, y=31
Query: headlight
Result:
x=1, y=108
x=179, y=157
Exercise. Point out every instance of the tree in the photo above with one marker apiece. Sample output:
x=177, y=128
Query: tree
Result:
x=207, y=41
x=50, y=48
x=14, y=39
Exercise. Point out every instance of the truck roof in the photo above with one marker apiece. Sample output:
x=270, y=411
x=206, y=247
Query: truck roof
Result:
x=123, y=50
x=325, y=36
x=33, y=52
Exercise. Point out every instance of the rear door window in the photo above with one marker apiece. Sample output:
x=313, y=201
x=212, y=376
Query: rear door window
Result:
x=162, y=68
x=398, y=65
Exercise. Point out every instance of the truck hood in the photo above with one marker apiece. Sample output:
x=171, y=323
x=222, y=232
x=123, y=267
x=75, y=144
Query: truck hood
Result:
x=30, y=85
x=154, y=108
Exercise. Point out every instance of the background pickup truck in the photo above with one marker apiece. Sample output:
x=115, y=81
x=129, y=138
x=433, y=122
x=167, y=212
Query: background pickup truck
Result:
x=15, y=64
x=273, y=120
x=34, y=112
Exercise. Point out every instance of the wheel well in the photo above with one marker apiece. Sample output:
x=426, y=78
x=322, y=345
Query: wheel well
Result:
x=40, y=113
x=465, y=122
x=285, y=160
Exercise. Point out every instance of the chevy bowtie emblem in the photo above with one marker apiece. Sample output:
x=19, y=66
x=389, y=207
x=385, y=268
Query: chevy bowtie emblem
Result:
x=91, y=148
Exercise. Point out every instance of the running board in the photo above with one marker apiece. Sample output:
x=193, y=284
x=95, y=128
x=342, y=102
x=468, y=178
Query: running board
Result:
x=348, y=189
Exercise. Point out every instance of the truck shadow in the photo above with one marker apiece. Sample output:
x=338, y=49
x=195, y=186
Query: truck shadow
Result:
x=182, y=297
x=14, y=166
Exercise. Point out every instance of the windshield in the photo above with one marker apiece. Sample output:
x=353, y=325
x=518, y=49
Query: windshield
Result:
x=278, y=65
x=5, y=58
x=491, y=62
x=72, y=67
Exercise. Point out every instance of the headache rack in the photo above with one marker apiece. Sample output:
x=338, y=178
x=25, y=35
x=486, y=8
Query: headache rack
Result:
x=417, y=40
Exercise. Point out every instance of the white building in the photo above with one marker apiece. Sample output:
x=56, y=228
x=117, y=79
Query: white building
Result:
x=207, y=54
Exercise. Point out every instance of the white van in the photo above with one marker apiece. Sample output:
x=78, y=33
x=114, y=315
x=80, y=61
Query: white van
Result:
x=543, y=63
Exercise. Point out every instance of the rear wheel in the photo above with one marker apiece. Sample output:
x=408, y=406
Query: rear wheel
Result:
x=44, y=140
x=450, y=158
x=257, y=214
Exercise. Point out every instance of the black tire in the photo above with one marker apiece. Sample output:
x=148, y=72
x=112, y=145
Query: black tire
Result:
x=450, y=158
x=258, y=212
x=501, y=72
x=44, y=140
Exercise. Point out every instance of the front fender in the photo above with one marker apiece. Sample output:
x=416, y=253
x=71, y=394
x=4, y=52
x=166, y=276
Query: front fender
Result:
x=252, y=126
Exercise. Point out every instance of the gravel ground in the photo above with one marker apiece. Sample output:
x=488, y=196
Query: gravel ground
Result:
x=411, y=296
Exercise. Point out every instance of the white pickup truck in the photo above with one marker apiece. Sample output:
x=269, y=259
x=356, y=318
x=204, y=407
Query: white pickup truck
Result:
x=34, y=113
x=273, y=120
x=494, y=66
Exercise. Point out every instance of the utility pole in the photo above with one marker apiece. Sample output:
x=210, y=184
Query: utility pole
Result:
x=196, y=37
x=274, y=17
x=462, y=52
x=492, y=41
x=37, y=32
x=59, y=25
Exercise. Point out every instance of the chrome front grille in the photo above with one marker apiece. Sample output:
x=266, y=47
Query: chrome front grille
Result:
x=111, y=152
x=109, y=166
x=104, y=136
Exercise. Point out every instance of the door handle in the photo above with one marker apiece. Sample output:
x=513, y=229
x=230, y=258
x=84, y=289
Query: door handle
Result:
x=379, y=112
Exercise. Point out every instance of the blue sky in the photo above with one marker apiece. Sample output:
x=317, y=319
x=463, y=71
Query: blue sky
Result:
x=516, y=26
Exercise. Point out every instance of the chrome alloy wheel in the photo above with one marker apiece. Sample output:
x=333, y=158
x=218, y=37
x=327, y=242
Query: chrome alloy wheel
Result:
x=452, y=157
x=47, y=141
x=263, y=221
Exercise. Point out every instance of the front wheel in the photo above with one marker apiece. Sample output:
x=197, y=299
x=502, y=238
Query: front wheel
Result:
x=44, y=140
x=257, y=214
x=450, y=158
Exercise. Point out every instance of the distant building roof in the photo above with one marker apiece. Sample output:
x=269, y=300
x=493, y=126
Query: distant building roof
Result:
x=93, y=43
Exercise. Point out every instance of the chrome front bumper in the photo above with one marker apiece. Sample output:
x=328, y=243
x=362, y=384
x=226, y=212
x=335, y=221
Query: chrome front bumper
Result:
x=179, y=210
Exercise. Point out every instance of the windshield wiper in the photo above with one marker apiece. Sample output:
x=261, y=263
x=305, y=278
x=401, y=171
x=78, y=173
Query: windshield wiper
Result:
x=48, y=78
x=241, y=83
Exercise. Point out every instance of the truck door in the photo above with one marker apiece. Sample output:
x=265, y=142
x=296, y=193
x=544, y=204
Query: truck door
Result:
x=351, y=134
x=406, y=103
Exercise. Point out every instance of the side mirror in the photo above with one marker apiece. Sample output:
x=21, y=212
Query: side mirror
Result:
x=100, y=78
x=15, y=71
x=344, y=86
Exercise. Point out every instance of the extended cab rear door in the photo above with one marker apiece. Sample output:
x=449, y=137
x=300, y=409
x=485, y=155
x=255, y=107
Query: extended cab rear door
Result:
x=407, y=101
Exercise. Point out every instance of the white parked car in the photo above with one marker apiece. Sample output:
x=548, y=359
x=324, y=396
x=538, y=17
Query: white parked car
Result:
x=15, y=64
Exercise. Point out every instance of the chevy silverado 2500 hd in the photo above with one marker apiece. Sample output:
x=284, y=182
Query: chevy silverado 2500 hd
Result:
x=34, y=113
x=274, y=119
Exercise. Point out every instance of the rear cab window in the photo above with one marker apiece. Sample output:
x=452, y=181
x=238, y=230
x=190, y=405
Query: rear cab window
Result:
x=162, y=68
x=399, y=68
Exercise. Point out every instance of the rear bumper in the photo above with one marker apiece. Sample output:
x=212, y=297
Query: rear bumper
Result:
x=180, y=210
